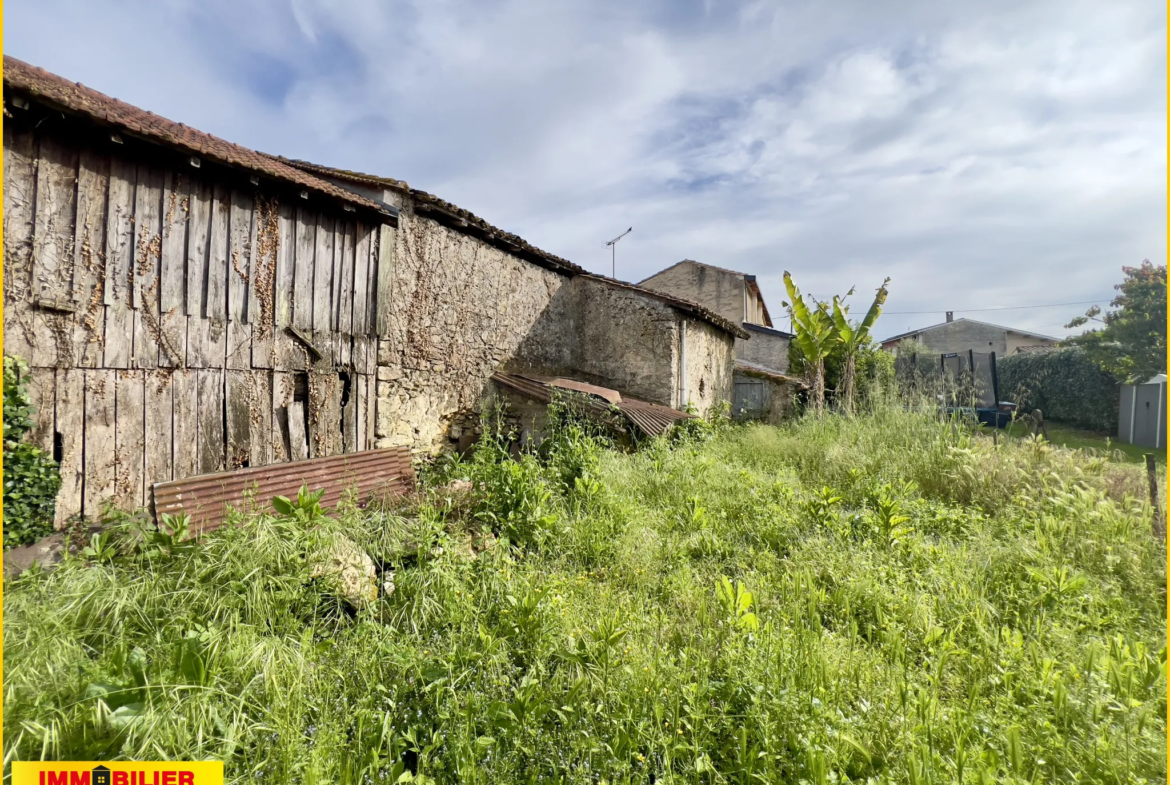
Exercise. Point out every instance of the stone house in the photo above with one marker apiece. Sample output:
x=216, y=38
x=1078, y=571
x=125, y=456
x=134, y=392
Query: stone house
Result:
x=763, y=388
x=468, y=300
x=188, y=306
x=963, y=335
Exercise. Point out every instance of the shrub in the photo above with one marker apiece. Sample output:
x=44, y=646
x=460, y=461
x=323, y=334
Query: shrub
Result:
x=31, y=478
x=1065, y=384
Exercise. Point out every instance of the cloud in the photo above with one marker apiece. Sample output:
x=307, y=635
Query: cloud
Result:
x=983, y=155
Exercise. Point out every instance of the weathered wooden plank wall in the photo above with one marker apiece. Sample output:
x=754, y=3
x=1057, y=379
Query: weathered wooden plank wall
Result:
x=154, y=303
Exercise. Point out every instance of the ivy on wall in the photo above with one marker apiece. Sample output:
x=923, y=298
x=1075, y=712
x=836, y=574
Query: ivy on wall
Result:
x=1065, y=384
x=31, y=477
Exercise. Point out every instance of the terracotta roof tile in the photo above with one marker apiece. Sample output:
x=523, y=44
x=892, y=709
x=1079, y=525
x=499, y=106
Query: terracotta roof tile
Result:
x=75, y=97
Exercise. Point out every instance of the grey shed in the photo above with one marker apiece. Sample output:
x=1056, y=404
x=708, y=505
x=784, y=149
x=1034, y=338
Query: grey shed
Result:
x=1142, y=416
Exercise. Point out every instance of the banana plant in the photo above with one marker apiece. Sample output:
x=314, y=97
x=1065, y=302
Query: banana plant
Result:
x=853, y=337
x=815, y=335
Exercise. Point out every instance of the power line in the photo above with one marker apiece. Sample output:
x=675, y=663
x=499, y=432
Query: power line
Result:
x=1001, y=308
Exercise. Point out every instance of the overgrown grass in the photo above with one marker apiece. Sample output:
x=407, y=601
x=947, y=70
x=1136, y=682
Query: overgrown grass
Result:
x=1092, y=441
x=903, y=604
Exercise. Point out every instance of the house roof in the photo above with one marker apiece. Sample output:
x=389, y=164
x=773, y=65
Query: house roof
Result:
x=759, y=328
x=466, y=221
x=748, y=278
x=921, y=330
x=76, y=98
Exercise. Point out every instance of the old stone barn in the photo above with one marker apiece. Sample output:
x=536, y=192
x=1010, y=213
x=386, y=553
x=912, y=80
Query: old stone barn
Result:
x=189, y=306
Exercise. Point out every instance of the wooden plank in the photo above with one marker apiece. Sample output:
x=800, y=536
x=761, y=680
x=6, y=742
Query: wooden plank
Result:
x=239, y=332
x=285, y=266
x=282, y=393
x=337, y=274
x=263, y=281
x=89, y=264
x=286, y=356
x=218, y=265
x=298, y=437
x=260, y=412
x=185, y=423
x=159, y=461
x=345, y=295
x=173, y=271
x=361, y=275
x=360, y=389
x=349, y=413
x=129, y=440
x=324, y=414
x=100, y=448
x=306, y=234
x=56, y=206
x=198, y=259
x=54, y=214
x=239, y=420
x=211, y=423
x=71, y=436
x=323, y=277
x=383, y=274
x=41, y=385
x=371, y=408
x=145, y=281
x=118, y=348
x=19, y=211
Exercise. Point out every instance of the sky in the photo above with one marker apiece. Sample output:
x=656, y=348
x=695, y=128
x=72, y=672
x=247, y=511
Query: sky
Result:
x=981, y=155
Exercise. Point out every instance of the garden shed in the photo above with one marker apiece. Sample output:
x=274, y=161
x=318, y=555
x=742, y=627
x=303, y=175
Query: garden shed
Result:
x=1142, y=416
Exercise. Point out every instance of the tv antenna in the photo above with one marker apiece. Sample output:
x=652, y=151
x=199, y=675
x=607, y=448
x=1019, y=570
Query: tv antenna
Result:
x=612, y=244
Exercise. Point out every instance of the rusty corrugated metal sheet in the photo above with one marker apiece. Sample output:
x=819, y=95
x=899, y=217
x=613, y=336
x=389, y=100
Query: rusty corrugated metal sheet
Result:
x=613, y=396
x=651, y=418
x=205, y=498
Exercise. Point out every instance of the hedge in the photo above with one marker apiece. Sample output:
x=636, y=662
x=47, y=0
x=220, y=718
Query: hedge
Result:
x=1064, y=384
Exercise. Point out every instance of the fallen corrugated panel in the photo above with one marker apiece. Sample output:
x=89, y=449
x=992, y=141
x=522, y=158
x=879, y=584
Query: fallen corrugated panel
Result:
x=206, y=498
x=613, y=396
x=651, y=418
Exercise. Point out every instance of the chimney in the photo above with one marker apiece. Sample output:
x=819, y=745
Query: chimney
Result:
x=950, y=316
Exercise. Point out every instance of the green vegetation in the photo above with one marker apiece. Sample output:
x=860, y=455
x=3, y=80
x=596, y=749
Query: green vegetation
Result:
x=1131, y=344
x=31, y=477
x=854, y=337
x=1066, y=384
x=1093, y=442
x=879, y=599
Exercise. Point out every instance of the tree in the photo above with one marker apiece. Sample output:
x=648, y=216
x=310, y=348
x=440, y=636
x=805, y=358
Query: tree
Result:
x=1132, y=343
x=853, y=336
x=815, y=336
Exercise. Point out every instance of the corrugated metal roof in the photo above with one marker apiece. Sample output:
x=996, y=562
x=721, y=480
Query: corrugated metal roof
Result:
x=651, y=418
x=76, y=97
x=206, y=498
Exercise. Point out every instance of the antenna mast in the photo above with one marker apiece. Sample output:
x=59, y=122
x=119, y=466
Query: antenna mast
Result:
x=612, y=245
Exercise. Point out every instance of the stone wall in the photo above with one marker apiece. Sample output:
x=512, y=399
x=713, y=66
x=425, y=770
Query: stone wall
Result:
x=460, y=309
x=766, y=347
x=710, y=366
x=626, y=340
x=719, y=290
